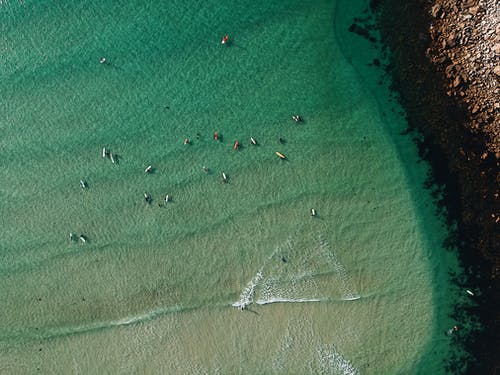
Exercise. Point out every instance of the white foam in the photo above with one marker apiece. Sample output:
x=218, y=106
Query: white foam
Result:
x=295, y=280
x=287, y=300
x=353, y=298
x=331, y=361
x=246, y=297
x=347, y=288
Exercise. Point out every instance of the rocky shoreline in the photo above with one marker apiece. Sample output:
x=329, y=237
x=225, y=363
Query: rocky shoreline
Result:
x=444, y=61
x=466, y=48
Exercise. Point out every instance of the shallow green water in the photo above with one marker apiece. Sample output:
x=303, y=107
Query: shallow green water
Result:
x=359, y=289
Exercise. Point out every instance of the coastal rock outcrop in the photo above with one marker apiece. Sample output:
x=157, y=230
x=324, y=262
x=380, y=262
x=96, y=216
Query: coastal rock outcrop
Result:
x=445, y=65
x=466, y=40
x=465, y=48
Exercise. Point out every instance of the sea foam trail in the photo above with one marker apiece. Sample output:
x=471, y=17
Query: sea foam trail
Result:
x=55, y=332
x=347, y=288
x=331, y=361
x=294, y=278
x=286, y=300
x=247, y=295
x=301, y=340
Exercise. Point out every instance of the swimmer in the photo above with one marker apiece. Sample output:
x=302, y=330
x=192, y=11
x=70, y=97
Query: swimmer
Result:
x=204, y=169
x=453, y=330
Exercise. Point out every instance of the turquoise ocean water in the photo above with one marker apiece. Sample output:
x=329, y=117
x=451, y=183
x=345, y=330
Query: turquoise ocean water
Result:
x=361, y=288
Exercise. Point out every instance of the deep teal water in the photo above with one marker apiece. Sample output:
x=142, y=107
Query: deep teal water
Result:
x=359, y=289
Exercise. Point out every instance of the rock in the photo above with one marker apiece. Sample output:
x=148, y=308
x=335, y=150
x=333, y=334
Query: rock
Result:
x=496, y=48
x=457, y=81
x=435, y=10
x=474, y=10
x=450, y=41
x=496, y=70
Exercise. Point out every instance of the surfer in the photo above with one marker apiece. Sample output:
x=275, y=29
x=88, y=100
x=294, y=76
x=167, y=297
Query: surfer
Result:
x=236, y=145
x=147, y=198
x=186, y=141
x=224, y=177
x=204, y=169
x=453, y=330
x=216, y=136
x=297, y=118
x=148, y=169
x=313, y=212
x=102, y=60
x=253, y=141
x=225, y=39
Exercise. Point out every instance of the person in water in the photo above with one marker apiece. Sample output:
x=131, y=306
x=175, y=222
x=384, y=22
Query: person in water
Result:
x=453, y=330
